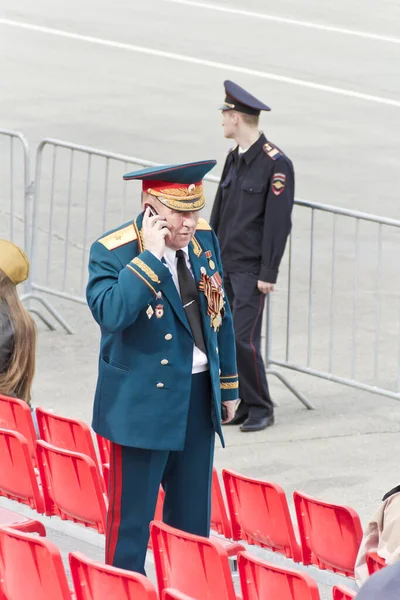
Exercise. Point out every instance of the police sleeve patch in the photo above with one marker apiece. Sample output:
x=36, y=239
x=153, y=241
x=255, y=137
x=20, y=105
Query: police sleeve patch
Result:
x=278, y=183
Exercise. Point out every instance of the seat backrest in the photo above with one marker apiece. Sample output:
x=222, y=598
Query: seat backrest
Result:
x=72, y=485
x=31, y=567
x=96, y=581
x=17, y=475
x=16, y=415
x=260, y=514
x=191, y=564
x=8, y=518
x=220, y=520
x=170, y=594
x=104, y=449
x=374, y=562
x=330, y=534
x=66, y=433
x=260, y=580
x=340, y=592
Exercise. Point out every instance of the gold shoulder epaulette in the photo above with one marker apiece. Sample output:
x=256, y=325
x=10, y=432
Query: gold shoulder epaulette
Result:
x=272, y=151
x=202, y=225
x=119, y=238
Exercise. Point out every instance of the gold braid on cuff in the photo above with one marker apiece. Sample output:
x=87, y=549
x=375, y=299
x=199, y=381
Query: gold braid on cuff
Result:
x=229, y=386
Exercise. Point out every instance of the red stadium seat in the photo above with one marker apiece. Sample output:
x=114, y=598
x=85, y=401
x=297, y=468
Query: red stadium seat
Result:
x=260, y=514
x=18, y=479
x=220, y=520
x=193, y=565
x=374, y=562
x=96, y=581
x=106, y=474
x=330, y=534
x=343, y=593
x=31, y=568
x=170, y=594
x=16, y=415
x=72, y=486
x=66, y=433
x=260, y=580
x=104, y=449
x=8, y=518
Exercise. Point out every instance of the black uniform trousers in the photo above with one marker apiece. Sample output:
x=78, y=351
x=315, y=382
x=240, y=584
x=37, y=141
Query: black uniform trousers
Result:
x=247, y=305
x=186, y=476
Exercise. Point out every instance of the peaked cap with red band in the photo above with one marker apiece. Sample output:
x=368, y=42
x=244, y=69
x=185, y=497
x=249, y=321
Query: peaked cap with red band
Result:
x=179, y=187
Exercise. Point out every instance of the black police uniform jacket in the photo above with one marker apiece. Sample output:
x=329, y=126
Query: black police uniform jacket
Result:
x=252, y=210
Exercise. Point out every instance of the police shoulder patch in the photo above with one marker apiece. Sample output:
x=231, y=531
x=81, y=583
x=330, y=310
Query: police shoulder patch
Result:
x=278, y=183
x=119, y=238
x=272, y=151
x=202, y=225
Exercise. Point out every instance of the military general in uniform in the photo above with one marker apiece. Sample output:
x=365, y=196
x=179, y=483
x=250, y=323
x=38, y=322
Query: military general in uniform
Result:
x=167, y=362
x=252, y=219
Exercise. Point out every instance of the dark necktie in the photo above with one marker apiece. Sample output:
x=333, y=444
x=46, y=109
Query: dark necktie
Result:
x=190, y=300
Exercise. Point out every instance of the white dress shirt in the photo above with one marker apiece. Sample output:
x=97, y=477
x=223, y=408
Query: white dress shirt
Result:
x=200, y=360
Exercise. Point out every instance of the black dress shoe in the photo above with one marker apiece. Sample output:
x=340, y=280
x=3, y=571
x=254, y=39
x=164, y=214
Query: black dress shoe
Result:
x=238, y=419
x=257, y=423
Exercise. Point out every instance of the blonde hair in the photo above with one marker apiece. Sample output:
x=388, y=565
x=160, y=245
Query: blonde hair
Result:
x=17, y=379
x=251, y=120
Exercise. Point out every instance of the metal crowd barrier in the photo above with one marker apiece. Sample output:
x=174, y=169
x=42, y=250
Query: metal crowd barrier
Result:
x=15, y=189
x=335, y=314
x=338, y=316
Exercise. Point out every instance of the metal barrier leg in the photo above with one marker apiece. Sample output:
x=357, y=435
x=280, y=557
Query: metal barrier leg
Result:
x=54, y=313
x=290, y=387
x=37, y=312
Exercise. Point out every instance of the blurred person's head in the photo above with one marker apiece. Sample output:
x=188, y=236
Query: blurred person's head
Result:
x=382, y=585
x=17, y=374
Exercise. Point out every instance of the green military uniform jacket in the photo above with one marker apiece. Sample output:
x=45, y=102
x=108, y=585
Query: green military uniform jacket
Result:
x=145, y=364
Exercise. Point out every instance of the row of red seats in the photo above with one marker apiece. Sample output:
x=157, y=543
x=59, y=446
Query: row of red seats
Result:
x=70, y=486
x=188, y=568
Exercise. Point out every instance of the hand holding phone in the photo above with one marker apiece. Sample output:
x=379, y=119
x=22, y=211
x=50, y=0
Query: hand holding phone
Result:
x=151, y=210
x=155, y=230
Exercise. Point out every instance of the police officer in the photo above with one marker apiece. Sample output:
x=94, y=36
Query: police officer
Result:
x=252, y=219
x=167, y=359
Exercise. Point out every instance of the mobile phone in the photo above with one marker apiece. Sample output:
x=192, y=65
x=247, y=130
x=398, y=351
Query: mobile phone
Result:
x=152, y=210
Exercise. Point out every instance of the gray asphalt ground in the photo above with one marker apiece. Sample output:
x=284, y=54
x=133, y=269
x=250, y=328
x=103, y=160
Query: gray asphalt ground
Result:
x=146, y=81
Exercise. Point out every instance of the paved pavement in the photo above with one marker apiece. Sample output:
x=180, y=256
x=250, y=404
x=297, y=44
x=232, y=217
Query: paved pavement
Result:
x=145, y=79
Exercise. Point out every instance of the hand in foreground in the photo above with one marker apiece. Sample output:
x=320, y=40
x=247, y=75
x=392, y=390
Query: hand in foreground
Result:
x=231, y=409
x=264, y=287
x=155, y=230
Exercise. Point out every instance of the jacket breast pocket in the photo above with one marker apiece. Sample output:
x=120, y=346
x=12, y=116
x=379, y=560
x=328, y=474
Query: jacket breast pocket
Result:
x=253, y=189
x=253, y=199
x=226, y=183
